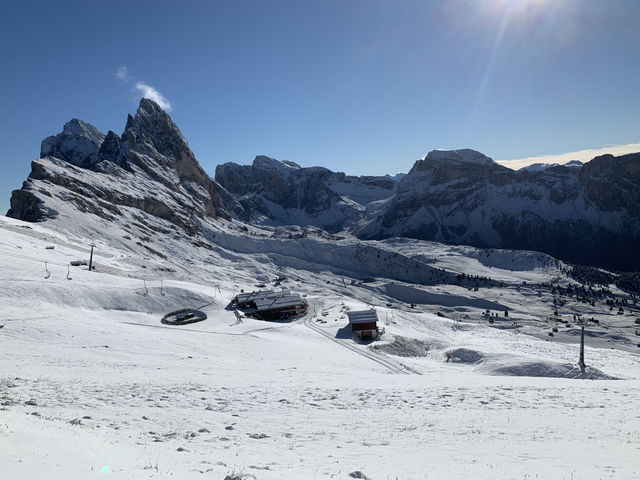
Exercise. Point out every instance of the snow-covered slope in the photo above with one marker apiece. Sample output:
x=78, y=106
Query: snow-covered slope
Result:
x=93, y=384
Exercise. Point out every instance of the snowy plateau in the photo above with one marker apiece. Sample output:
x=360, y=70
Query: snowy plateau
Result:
x=476, y=375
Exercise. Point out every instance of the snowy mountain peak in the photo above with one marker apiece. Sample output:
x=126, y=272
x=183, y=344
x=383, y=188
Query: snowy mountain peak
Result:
x=465, y=155
x=262, y=161
x=81, y=128
x=574, y=163
x=78, y=143
x=153, y=126
x=396, y=177
x=149, y=172
x=537, y=167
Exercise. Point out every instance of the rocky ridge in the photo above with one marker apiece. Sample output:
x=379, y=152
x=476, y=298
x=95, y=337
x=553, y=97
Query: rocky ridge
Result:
x=584, y=214
x=148, y=170
x=272, y=192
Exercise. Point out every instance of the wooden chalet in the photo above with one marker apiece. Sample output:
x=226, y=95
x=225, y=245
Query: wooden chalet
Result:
x=364, y=323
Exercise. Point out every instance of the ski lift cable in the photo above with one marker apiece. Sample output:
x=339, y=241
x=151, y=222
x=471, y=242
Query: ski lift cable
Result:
x=34, y=259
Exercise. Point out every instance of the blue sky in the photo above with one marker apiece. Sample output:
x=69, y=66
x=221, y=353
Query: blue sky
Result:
x=364, y=87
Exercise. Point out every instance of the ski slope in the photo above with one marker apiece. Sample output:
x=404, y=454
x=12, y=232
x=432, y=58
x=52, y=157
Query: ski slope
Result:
x=93, y=385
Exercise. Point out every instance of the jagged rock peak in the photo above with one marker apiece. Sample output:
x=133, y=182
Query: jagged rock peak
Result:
x=465, y=155
x=149, y=169
x=110, y=150
x=152, y=125
x=81, y=128
x=262, y=161
x=78, y=143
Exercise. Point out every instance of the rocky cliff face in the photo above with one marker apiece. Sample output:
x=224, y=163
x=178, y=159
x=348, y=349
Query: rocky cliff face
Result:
x=149, y=170
x=586, y=214
x=282, y=193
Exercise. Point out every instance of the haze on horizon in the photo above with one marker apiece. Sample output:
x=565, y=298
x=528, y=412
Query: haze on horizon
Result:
x=364, y=87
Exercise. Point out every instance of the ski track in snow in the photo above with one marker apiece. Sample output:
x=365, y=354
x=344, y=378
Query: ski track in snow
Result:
x=387, y=363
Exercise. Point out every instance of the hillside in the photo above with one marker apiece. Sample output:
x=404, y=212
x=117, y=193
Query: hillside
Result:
x=87, y=364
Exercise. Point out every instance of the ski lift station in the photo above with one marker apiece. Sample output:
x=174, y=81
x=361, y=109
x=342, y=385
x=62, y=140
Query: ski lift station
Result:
x=364, y=323
x=271, y=305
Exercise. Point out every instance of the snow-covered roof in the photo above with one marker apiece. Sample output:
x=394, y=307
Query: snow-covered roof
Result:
x=363, y=316
x=281, y=301
x=253, y=296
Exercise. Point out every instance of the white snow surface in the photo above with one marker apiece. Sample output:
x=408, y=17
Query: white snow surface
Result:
x=93, y=385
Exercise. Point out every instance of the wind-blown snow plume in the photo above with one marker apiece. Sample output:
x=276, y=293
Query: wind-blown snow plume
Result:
x=147, y=91
x=142, y=88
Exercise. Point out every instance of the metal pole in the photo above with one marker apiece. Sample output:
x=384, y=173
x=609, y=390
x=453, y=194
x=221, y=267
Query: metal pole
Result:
x=91, y=257
x=581, y=361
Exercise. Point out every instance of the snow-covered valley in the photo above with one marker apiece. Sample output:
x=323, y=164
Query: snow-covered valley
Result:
x=92, y=384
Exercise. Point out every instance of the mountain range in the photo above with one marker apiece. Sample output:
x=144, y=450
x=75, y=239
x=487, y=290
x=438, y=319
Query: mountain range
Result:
x=587, y=214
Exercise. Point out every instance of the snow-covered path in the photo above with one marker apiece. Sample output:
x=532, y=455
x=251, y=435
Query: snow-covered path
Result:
x=394, y=367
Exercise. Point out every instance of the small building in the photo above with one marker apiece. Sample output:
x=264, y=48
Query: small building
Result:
x=364, y=323
x=271, y=305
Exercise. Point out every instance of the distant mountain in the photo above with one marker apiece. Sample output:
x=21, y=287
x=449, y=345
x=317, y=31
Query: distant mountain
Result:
x=588, y=214
x=283, y=193
x=149, y=182
x=536, y=167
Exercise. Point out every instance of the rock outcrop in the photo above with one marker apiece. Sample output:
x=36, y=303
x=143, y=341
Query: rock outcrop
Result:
x=149, y=169
x=282, y=193
x=78, y=144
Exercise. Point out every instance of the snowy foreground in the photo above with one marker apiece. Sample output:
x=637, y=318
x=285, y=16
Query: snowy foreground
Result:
x=93, y=385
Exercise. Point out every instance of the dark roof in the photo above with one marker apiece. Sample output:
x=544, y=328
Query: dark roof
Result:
x=253, y=296
x=363, y=316
x=281, y=301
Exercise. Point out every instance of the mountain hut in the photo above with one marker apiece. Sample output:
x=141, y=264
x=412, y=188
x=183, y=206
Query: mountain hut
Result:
x=270, y=305
x=364, y=323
